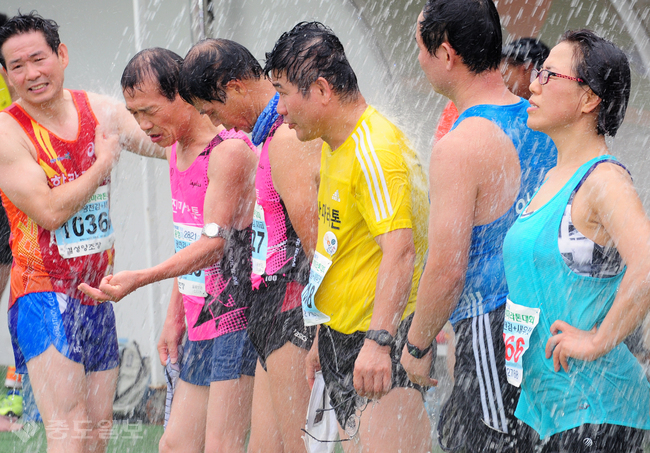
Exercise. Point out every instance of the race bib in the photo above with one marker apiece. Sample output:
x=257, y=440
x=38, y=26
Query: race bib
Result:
x=319, y=267
x=89, y=230
x=518, y=326
x=191, y=284
x=260, y=241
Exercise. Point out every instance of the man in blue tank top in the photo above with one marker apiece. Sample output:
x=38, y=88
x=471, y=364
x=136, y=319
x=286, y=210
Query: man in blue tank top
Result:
x=482, y=173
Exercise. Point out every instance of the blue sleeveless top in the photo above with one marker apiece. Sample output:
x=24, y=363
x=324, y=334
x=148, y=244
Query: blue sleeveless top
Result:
x=485, y=282
x=612, y=389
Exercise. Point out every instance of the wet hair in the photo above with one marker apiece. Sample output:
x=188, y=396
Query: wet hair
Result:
x=526, y=50
x=211, y=64
x=3, y=19
x=27, y=23
x=606, y=70
x=471, y=27
x=309, y=51
x=156, y=64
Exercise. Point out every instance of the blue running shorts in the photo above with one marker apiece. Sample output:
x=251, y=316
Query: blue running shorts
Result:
x=83, y=333
x=221, y=359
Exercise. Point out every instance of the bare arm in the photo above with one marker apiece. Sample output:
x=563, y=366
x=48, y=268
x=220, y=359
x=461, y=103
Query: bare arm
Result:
x=114, y=116
x=372, y=368
x=173, y=329
x=25, y=183
x=228, y=202
x=615, y=207
x=473, y=180
x=453, y=193
x=295, y=167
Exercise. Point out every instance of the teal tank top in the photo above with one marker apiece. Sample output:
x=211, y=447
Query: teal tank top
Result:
x=612, y=389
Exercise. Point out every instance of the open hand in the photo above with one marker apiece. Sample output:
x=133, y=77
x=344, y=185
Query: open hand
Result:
x=113, y=287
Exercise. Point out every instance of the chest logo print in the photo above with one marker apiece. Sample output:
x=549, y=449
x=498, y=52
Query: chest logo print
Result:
x=336, y=197
x=330, y=243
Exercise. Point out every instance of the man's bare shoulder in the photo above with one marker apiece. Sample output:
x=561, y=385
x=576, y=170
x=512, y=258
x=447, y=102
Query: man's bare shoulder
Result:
x=473, y=134
x=12, y=136
x=474, y=147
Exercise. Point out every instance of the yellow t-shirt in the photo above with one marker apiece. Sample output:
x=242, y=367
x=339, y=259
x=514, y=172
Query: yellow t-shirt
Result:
x=5, y=97
x=372, y=184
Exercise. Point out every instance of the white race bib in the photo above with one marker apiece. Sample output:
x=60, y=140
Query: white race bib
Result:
x=88, y=231
x=518, y=326
x=191, y=284
x=319, y=267
x=260, y=241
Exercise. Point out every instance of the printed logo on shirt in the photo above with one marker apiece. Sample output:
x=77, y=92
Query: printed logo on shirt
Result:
x=60, y=158
x=336, y=196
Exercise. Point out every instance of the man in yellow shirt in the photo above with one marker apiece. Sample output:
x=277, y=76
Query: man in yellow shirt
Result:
x=371, y=241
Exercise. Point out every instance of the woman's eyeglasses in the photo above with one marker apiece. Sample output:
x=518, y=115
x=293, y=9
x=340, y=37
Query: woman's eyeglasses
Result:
x=543, y=76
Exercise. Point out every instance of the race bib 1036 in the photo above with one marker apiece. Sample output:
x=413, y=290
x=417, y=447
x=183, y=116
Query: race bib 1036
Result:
x=89, y=230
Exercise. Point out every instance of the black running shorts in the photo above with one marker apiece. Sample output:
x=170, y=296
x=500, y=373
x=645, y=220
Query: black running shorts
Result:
x=275, y=318
x=479, y=414
x=338, y=352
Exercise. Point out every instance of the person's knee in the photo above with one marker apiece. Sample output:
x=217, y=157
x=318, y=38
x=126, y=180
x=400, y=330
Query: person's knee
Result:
x=167, y=444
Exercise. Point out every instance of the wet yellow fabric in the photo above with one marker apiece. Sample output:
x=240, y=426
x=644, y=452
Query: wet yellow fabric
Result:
x=371, y=185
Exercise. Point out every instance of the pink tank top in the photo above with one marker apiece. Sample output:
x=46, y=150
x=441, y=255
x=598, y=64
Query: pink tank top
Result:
x=273, y=231
x=215, y=298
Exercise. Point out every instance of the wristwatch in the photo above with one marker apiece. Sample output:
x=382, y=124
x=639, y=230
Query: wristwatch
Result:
x=212, y=230
x=381, y=337
x=415, y=351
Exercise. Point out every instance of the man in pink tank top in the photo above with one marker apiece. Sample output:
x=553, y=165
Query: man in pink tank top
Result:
x=212, y=175
x=223, y=80
x=55, y=165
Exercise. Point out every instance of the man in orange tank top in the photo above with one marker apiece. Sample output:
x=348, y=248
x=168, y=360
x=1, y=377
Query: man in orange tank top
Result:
x=55, y=164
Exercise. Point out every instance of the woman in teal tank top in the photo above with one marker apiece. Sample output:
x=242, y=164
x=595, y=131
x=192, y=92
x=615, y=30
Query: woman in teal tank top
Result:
x=577, y=263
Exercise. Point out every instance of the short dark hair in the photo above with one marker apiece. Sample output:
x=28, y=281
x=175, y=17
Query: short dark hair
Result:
x=606, y=70
x=471, y=27
x=27, y=23
x=526, y=50
x=3, y=19
x=309, y=51
x=159, y=65
x=211, y=64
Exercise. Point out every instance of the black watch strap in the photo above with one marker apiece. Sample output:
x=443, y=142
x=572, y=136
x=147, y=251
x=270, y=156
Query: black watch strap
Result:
x=381, y=337
x=415, y=351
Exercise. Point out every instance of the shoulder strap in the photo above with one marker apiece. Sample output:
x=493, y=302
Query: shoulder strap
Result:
x=213, y=143
x=593, y=167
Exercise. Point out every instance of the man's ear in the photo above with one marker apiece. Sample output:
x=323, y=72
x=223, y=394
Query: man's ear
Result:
x=322, y=89
x=447, y=54
x=236, y=86
x=63, y=55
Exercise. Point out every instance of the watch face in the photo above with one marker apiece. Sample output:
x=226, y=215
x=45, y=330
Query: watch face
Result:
x=385, y=338
x=381, y=337
x=211, y=230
